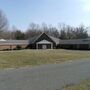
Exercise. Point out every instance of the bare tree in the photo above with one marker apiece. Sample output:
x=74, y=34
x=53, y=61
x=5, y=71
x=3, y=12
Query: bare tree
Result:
x=69, y=32
x=17, y=34
x=33, y=30
x=3, y=24
x=3, y=21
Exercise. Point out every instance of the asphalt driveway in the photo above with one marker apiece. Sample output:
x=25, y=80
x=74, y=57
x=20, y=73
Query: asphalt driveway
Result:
x=47, y=77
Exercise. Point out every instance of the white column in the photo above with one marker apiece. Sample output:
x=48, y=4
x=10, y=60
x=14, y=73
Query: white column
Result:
x=36, y=46
x=51, y=45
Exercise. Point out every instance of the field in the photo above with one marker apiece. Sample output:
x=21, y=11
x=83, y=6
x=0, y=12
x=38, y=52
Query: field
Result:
x=23, y=58
x=85, y=85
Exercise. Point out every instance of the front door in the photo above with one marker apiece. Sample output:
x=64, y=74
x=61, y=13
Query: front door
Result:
x=44, y=46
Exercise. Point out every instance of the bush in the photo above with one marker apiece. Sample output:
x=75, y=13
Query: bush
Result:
x=18, y=47
x=5, y=49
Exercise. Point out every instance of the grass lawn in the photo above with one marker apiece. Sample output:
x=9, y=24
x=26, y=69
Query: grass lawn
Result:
x=14, y=59
x=85, y=85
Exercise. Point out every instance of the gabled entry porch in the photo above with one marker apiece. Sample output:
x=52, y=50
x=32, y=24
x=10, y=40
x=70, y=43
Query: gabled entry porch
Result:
x=44, y=44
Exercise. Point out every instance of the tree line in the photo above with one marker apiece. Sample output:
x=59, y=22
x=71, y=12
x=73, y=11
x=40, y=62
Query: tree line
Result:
x=63, y=31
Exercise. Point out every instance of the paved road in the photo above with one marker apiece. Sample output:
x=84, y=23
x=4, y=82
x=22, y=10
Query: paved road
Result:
x=48, y=77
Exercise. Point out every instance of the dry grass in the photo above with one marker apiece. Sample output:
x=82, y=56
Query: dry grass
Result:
x=85, y=85
x=12, y=59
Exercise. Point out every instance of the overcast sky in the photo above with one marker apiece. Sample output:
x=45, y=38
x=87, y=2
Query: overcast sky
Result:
x=21, y=13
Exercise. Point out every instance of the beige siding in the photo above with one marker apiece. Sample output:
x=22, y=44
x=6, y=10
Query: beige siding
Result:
x=2, y=47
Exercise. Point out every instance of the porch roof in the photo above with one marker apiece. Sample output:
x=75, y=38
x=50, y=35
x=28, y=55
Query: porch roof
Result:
x=44, y=42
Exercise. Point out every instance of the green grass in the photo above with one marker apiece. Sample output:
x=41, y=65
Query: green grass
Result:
x=14, y=59
x=85, y=85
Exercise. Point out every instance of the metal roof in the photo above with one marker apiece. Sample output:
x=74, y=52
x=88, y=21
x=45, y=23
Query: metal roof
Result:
x=56, y=40
x=14, y=42
x=32, y=40
x=76, y=41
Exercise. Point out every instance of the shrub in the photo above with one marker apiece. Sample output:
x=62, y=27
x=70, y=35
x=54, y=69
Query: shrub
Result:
x=18, y=47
